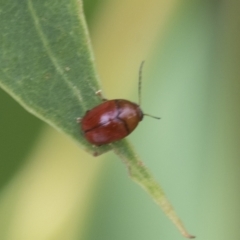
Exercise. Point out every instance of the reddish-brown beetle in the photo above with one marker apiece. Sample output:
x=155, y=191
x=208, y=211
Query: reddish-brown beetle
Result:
x=112, y=120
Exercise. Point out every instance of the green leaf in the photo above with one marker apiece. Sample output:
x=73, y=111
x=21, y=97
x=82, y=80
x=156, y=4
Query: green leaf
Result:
x=46, y=62
x=140, y=174
x=47, y=66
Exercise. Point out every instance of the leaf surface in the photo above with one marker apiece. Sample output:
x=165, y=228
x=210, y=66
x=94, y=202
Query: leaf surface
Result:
x=46, y=62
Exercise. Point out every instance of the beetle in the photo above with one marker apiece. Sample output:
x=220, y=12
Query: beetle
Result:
x=112, y=120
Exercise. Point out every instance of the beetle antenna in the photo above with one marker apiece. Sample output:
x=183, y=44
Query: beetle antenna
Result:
x=145, y=114
x=139, y=90
x=140, y=83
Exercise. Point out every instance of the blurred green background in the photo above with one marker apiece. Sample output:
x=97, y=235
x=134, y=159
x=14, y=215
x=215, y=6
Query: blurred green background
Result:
x=51, y=190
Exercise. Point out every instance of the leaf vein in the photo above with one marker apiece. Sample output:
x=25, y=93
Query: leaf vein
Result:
x=51, y=54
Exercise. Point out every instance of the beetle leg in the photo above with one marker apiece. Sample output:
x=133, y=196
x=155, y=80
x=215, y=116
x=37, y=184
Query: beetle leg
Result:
x=79, y=120
x=99, y=93
x=95, y=153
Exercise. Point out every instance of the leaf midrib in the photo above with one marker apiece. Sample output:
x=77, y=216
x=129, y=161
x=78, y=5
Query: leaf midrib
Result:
x=54, y=60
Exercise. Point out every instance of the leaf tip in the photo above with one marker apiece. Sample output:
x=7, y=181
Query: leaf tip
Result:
x=187, y=235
